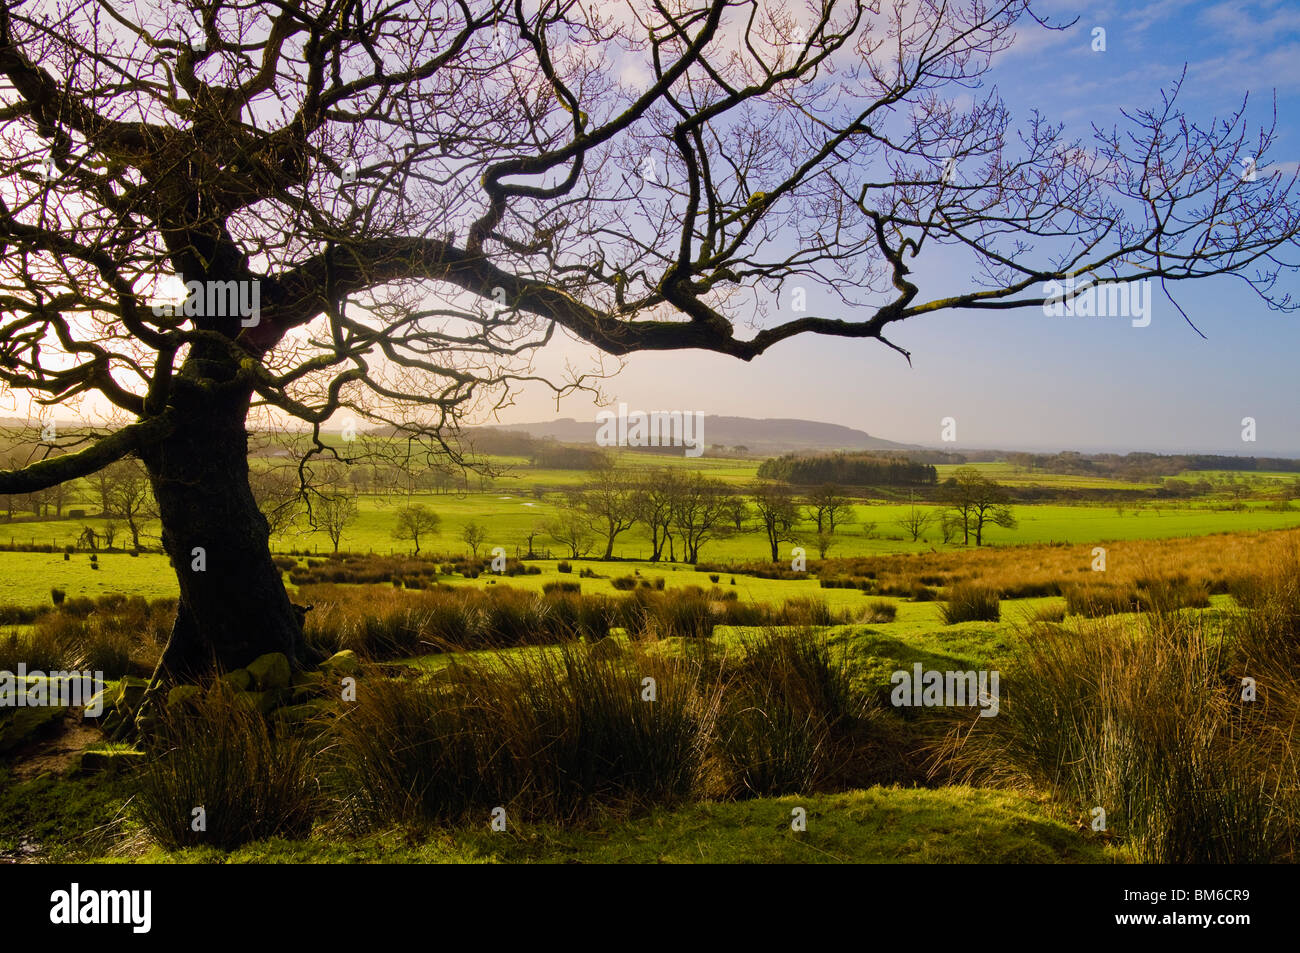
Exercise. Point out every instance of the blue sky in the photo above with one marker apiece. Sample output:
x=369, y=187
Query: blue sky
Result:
x=1022, y=380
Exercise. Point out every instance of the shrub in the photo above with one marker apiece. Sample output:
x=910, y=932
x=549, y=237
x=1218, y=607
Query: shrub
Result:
x=79, y=606
x=971, y=603
x=57, y=596
x=714, y=577
x=560, y=585
x=563, y=566
x=623, y=583
x=806, y=610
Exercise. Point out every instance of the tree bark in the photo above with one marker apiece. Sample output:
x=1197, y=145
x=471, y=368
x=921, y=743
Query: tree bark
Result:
x=233, y=606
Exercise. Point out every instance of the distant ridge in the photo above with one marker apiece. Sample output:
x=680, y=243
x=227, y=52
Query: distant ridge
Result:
x=757, y=436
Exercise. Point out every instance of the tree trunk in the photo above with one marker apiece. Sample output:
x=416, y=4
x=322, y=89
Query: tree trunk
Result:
x=233, y=606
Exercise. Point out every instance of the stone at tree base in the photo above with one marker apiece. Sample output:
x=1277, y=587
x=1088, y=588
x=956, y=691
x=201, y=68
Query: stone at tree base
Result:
x=111, y=721
x=270, y=671
x=131, y=691
x=182, y=694
x=106, y=700
x=304, y=712
x=108, y=762
x=20, y=725
x=307, y=685
x=239, y=680
x=341, y=663
x=263, y=702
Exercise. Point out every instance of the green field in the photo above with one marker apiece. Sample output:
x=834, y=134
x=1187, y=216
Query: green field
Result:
x=26, y=578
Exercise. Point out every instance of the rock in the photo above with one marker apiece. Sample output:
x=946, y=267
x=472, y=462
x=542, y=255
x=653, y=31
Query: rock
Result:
x=239, y=680
x=253, y=700
x=20, y=725
x=608, y=648
x=307, y=685
x=103, y=700
x=263, y=702
x=270, y=671
x=130, y=692
x=109, y=762
x=341, y=663
x=111, y=721
x=302, y=713
x=182, y=694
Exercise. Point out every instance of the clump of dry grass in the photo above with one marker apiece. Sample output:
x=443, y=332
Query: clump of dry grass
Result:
x=218, y=754
x=553, y=735
x=1214, y=564
x=1144, y=719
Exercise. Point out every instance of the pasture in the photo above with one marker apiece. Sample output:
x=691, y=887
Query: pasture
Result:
x=811, y=652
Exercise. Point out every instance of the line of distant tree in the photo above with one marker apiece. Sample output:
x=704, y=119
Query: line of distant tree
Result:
x=847, y=469
x=1144, y=466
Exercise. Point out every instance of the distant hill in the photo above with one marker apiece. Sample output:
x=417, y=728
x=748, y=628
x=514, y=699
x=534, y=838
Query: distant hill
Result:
x=759, y=437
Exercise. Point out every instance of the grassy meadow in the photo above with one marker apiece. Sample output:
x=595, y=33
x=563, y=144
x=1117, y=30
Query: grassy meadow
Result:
x=770, y=731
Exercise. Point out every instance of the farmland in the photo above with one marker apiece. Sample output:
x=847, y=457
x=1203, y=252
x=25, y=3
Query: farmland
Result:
x=879, y=602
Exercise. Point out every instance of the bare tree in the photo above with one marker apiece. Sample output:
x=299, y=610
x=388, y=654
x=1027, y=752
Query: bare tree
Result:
x=699, y=511
x=474, y=536
x=129, y=497
x=829, y=507
x=334, y=513
x=916, y=520
x=278, y=494
x=737, y=511
x=384, y=210
x=777, y=514
x=533, y=531
x=414, y=521
x=652, y=506
x=570, y=529
x=976, y=501
x=609, y=499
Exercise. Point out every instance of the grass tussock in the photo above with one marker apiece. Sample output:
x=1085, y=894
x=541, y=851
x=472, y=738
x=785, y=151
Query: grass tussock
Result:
x=114, y=634
x=380, y=623
x=1147, y=723
x=547, y=735
x=971, y=603
x=568, y=733
x=1214, y=563
x=790, y=721
x=251, y=780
